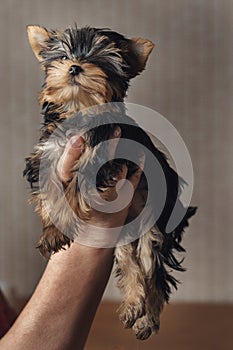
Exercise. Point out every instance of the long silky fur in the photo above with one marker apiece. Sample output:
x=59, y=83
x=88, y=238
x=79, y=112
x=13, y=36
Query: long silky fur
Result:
x=142, y=266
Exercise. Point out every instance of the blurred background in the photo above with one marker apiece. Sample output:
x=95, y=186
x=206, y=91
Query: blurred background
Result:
x=189, y=80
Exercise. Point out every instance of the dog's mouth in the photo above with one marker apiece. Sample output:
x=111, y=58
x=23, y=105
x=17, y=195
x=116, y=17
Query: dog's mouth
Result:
x=74, y=82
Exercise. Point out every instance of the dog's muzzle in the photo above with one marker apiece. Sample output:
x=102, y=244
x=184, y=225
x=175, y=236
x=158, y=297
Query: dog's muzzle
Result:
x=75, y=70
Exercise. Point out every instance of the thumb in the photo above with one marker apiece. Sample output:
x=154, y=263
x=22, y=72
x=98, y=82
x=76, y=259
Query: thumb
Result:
x=71, y=154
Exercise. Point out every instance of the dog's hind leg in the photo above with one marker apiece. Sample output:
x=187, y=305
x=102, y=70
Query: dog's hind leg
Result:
x=147, y=250
x=131, y=284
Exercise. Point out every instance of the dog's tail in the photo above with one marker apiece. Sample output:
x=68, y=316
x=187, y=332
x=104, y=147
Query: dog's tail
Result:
x=166, y=256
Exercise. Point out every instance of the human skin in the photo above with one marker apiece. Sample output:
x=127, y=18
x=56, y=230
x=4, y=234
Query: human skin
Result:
x=61, y=310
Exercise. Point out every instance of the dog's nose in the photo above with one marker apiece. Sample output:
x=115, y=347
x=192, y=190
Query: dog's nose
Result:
x=75, y=70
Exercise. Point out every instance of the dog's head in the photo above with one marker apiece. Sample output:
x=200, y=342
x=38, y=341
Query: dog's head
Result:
x=87, y=66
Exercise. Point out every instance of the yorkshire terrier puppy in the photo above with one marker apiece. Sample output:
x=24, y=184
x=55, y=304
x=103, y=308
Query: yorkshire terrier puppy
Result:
x=90, y=67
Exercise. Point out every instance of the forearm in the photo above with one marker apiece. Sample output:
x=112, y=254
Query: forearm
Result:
x=61, y=310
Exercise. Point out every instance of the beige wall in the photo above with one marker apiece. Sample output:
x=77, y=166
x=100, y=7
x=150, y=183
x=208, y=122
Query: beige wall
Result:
x=189, y=80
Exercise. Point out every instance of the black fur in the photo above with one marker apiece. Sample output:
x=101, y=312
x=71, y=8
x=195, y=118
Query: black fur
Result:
x=98, y=134
x=113, y=54
x=133, y=132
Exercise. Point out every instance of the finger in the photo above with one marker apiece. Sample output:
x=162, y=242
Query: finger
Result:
x=122, y=185
x=71, y=154
x=125, y=188
x=114, y=142
x=135, y=178
x=111, y=193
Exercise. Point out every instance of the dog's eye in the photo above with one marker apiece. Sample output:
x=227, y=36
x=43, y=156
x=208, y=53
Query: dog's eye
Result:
x=64, y=58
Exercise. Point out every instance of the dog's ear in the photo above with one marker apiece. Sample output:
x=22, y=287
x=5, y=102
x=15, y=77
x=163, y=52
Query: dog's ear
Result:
x=38, y=38
x=138, y=53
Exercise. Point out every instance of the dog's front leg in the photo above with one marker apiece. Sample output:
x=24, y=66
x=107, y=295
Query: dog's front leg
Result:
x=131, y=285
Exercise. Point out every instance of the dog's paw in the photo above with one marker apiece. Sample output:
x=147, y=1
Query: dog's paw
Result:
x=145, y=326
x=51, y=241
x=129, y=312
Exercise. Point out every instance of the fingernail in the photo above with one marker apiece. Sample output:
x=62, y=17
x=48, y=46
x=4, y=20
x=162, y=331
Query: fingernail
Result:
x=117, y=132
x=77, y=142
x=142, y=159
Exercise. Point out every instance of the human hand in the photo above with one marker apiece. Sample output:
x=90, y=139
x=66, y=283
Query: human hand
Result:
x=72, y=153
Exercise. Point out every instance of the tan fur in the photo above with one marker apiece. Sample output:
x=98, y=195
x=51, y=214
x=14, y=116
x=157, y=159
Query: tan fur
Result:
x=142, y=301
x=38, y=36
x=90, y=88
x=135, y=266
